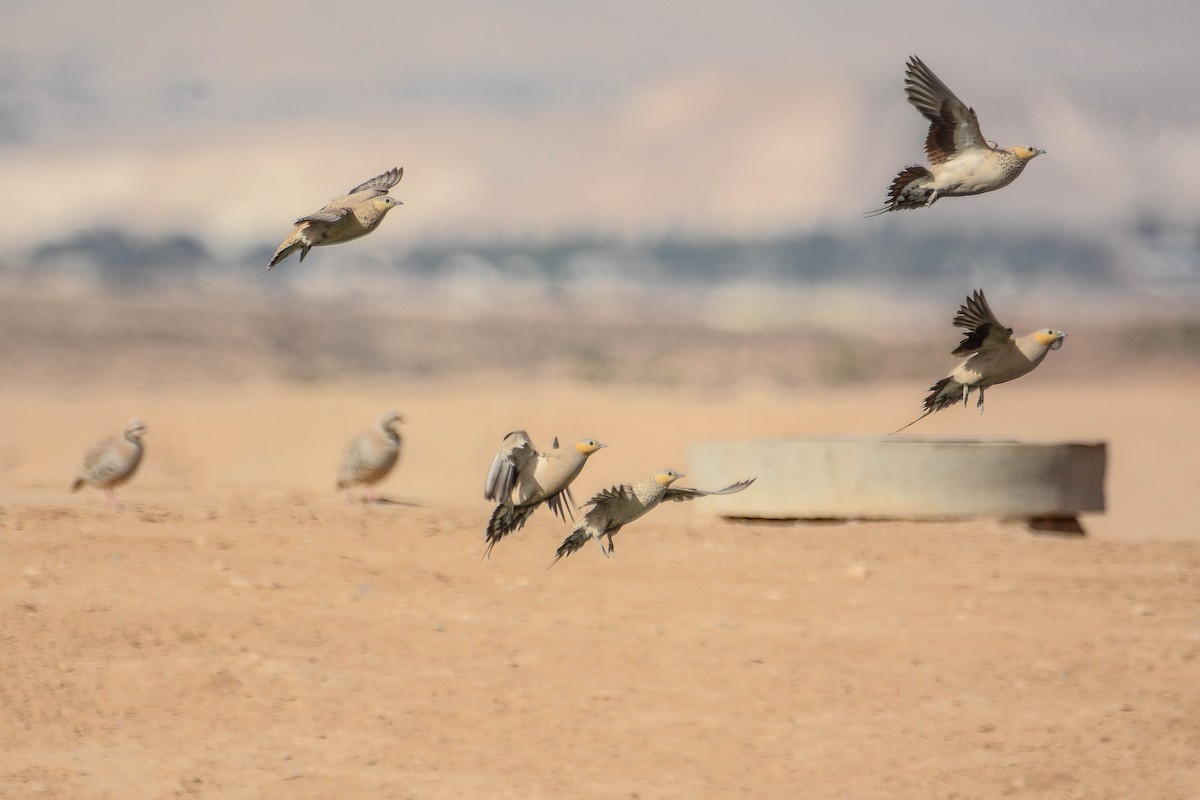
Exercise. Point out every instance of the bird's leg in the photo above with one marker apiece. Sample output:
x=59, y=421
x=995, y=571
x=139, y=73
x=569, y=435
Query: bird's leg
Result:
x=966, y=393
x=979, y=402
x=933, y=196
x=110, y=499
x=600, y=541
x=612, y=553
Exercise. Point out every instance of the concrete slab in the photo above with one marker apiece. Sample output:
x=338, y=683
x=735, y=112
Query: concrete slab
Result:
x=901, y=478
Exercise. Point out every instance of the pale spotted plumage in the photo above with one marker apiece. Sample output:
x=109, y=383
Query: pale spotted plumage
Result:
x=610, y=510
x=522, y=477
x=372, y=454
x=112, y=461
x=992, y=356
x=961, y=161
x=343, y=219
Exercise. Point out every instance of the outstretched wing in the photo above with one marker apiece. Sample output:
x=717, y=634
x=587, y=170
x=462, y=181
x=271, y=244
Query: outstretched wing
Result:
x=621, y=493
x=683, y=494
x=953, y=125
x=380, y=183
x=983, y=329
x=515, y=456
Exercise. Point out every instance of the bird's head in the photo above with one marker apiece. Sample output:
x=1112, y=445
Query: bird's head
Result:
x=589, y=446
x=390, y=419
x=385, y=203
x=667, y=477
x=1050, y=337
x=1026, y=153
x=135, y=429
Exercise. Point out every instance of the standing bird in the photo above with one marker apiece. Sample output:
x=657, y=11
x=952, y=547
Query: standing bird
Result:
x=344, y=218
x=521, y=478
x=614, y=508
x=961, y=161
x=371, y=455
x=992, y=356
x=112, y=462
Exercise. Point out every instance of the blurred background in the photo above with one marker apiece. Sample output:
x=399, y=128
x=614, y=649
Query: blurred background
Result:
x=693, y=171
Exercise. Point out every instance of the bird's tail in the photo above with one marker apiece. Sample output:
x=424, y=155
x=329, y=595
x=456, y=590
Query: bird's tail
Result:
x=576, y=540
x=505, y=520
x=562, y=504
x=942, y=394
x=289, y=246
x=898, y=198
x=909, y=425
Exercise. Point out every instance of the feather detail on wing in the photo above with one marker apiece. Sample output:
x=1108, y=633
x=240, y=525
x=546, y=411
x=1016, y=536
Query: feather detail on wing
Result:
x=983, y=328
x=954, y=126
x=324, y=215
x=380, y=183
x=512, y=460
x=683, y=494
x=624, y=492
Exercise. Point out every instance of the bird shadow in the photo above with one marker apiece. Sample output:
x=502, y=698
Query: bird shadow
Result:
x=390, y=501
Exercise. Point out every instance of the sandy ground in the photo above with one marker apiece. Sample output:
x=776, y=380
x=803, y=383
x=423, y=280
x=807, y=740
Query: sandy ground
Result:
x=240, y=631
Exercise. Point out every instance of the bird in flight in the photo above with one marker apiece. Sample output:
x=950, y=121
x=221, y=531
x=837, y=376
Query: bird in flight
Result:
x=961, y=161
x=610, y=510
x=522, y=477
x=992, y=356
x=343, y=219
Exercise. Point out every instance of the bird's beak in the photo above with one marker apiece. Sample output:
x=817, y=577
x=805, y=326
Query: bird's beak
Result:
x=1058, y=342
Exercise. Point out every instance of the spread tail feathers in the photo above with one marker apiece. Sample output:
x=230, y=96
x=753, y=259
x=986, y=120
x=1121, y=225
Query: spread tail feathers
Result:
x=505, y=519
x=898, y=198
x=938, y=399
x=576, y=540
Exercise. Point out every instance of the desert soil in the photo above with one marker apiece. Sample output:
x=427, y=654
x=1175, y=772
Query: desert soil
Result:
x=240, y=631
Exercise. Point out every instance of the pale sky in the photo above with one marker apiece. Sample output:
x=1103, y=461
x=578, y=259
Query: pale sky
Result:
x=229, y=118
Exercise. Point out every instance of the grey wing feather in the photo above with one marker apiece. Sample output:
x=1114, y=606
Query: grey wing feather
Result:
x=683, y=494
x=324, y=215
x=976, y=316
x=926, y=91
x=954, y=124
x=380, y=183
x=622, y=492
x=511, y=460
